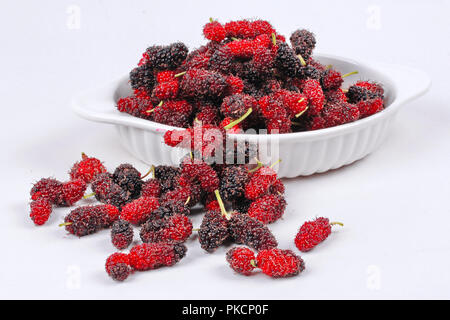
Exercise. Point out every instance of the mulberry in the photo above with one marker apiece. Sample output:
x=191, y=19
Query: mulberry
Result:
x=313, y=91
x=139, y=210
x=48, y=188
x=151, y=188
x=312, y=233
x=303, y=42
x=87, y=168
x=121, y=234
x=214, y=31
x=286, y=61
x=167, y=57
x=175, y=228
x=260, y=183
x=339, y=113
x=233, y=182
x=279, y=263
x=118, y=266
x=268, y=209
x=148, y=256
x=40, y=211
x=109, y=192
x=246, y=230
x=242, y=260
x=129, y=179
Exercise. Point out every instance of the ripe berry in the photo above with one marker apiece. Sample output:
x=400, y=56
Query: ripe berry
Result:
x=73, y=191
x=335, y=114
x=174, y=113
x=208, y=115
x=213, y=230
x=171, y=207
x=142, y=78
x=260, y=183
x=109, y=192
x=335, y=96
x=86, y=169
x=86, y=220
x=166, y=176
x=303, y=42
x=242, y=260
x=313, y=91
x=167, y=57
x=165, y=76
x=175, y=228
x=40, y=211
x=198, y=84
x=312, y=233
x=331, y=79
x=48, y=188
x=235, y=85
x=237, y=105
x=246, y=230
x=369, y=107
x=118, y=266
x=233, y=181
x=139, y=210
x=279, y=263
x=268, y=209
x=135, y=106
x=286, y=61
x=129, y=179
x=121, y=234
x=166, y=90
x=148, y=256
x=151, y=188
x=214, y=31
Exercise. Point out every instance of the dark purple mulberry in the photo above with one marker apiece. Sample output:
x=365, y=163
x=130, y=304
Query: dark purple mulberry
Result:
x=251, y=232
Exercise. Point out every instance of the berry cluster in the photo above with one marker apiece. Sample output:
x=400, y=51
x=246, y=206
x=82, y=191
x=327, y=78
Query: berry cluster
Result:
x=246, y=77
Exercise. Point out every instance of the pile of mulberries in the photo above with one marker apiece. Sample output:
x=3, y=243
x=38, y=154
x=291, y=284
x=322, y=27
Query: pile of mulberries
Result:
x=246, y=77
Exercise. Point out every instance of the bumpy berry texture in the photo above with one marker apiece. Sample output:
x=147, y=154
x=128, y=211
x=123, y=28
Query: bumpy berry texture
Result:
x=166, y=176
x=73, y=191
x=140, y=210
x=213, y=231
x=170, y=207
x=268, y=209
x=335, y=114
x=243, y=57
x=86, y=220
x=312, y=233
x=109, y=192
x=148, y=256
x=246, y=230
x=129, y=179
x=118, y=266
x=303, y=42
x=121, y=234
x=175, y=228
x=48, y=188
x=233, y=182
x=87, y=168
x=151, y=188
x=40, y=211
x=242, y=260
x=278, y=263
x=260, y=183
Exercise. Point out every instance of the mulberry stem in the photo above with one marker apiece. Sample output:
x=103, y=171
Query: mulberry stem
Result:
x=187, y=200
x=302, y=61
x=221, y=205
x=275, y=163
x=302, y=112
x=180, y=74
x=349, y=74
x=253, y=263
x=65, y=224
x=336, y=223
x=259, y=165
x=236, y=122
x=152, y=170
x=89, y=195
x=274, y=39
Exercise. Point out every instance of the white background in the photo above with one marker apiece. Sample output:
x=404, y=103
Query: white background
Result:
x=394, y=203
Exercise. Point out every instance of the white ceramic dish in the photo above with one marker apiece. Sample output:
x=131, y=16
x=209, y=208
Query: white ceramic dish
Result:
x=303, y=153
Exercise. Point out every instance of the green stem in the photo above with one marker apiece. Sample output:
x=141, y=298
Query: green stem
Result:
x=187, y=200
x=180, y=74
x=259, y=165
x=300, y=113
x=253, y=263
x=65, y=224
x=152, y=170
x=89, y=195
x=275, y=163
x=336, y=223
x=302, y=61
x=236, y=122
x=211, y=19
x=221, y=205
x=274, y=39
x=349, y=74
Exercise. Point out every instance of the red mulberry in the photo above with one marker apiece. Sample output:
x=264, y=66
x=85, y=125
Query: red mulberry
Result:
x=121, y=234
x=87, y=168
x=175, y=228
x=279, y=263
x=86, y=220
x=139, y=210
x=40, y=211
x=214, y=31
x=267, y=209
x=242, y=260
x=118, y=266
x=312, y=233
x=246, y=230
x=148, y=256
